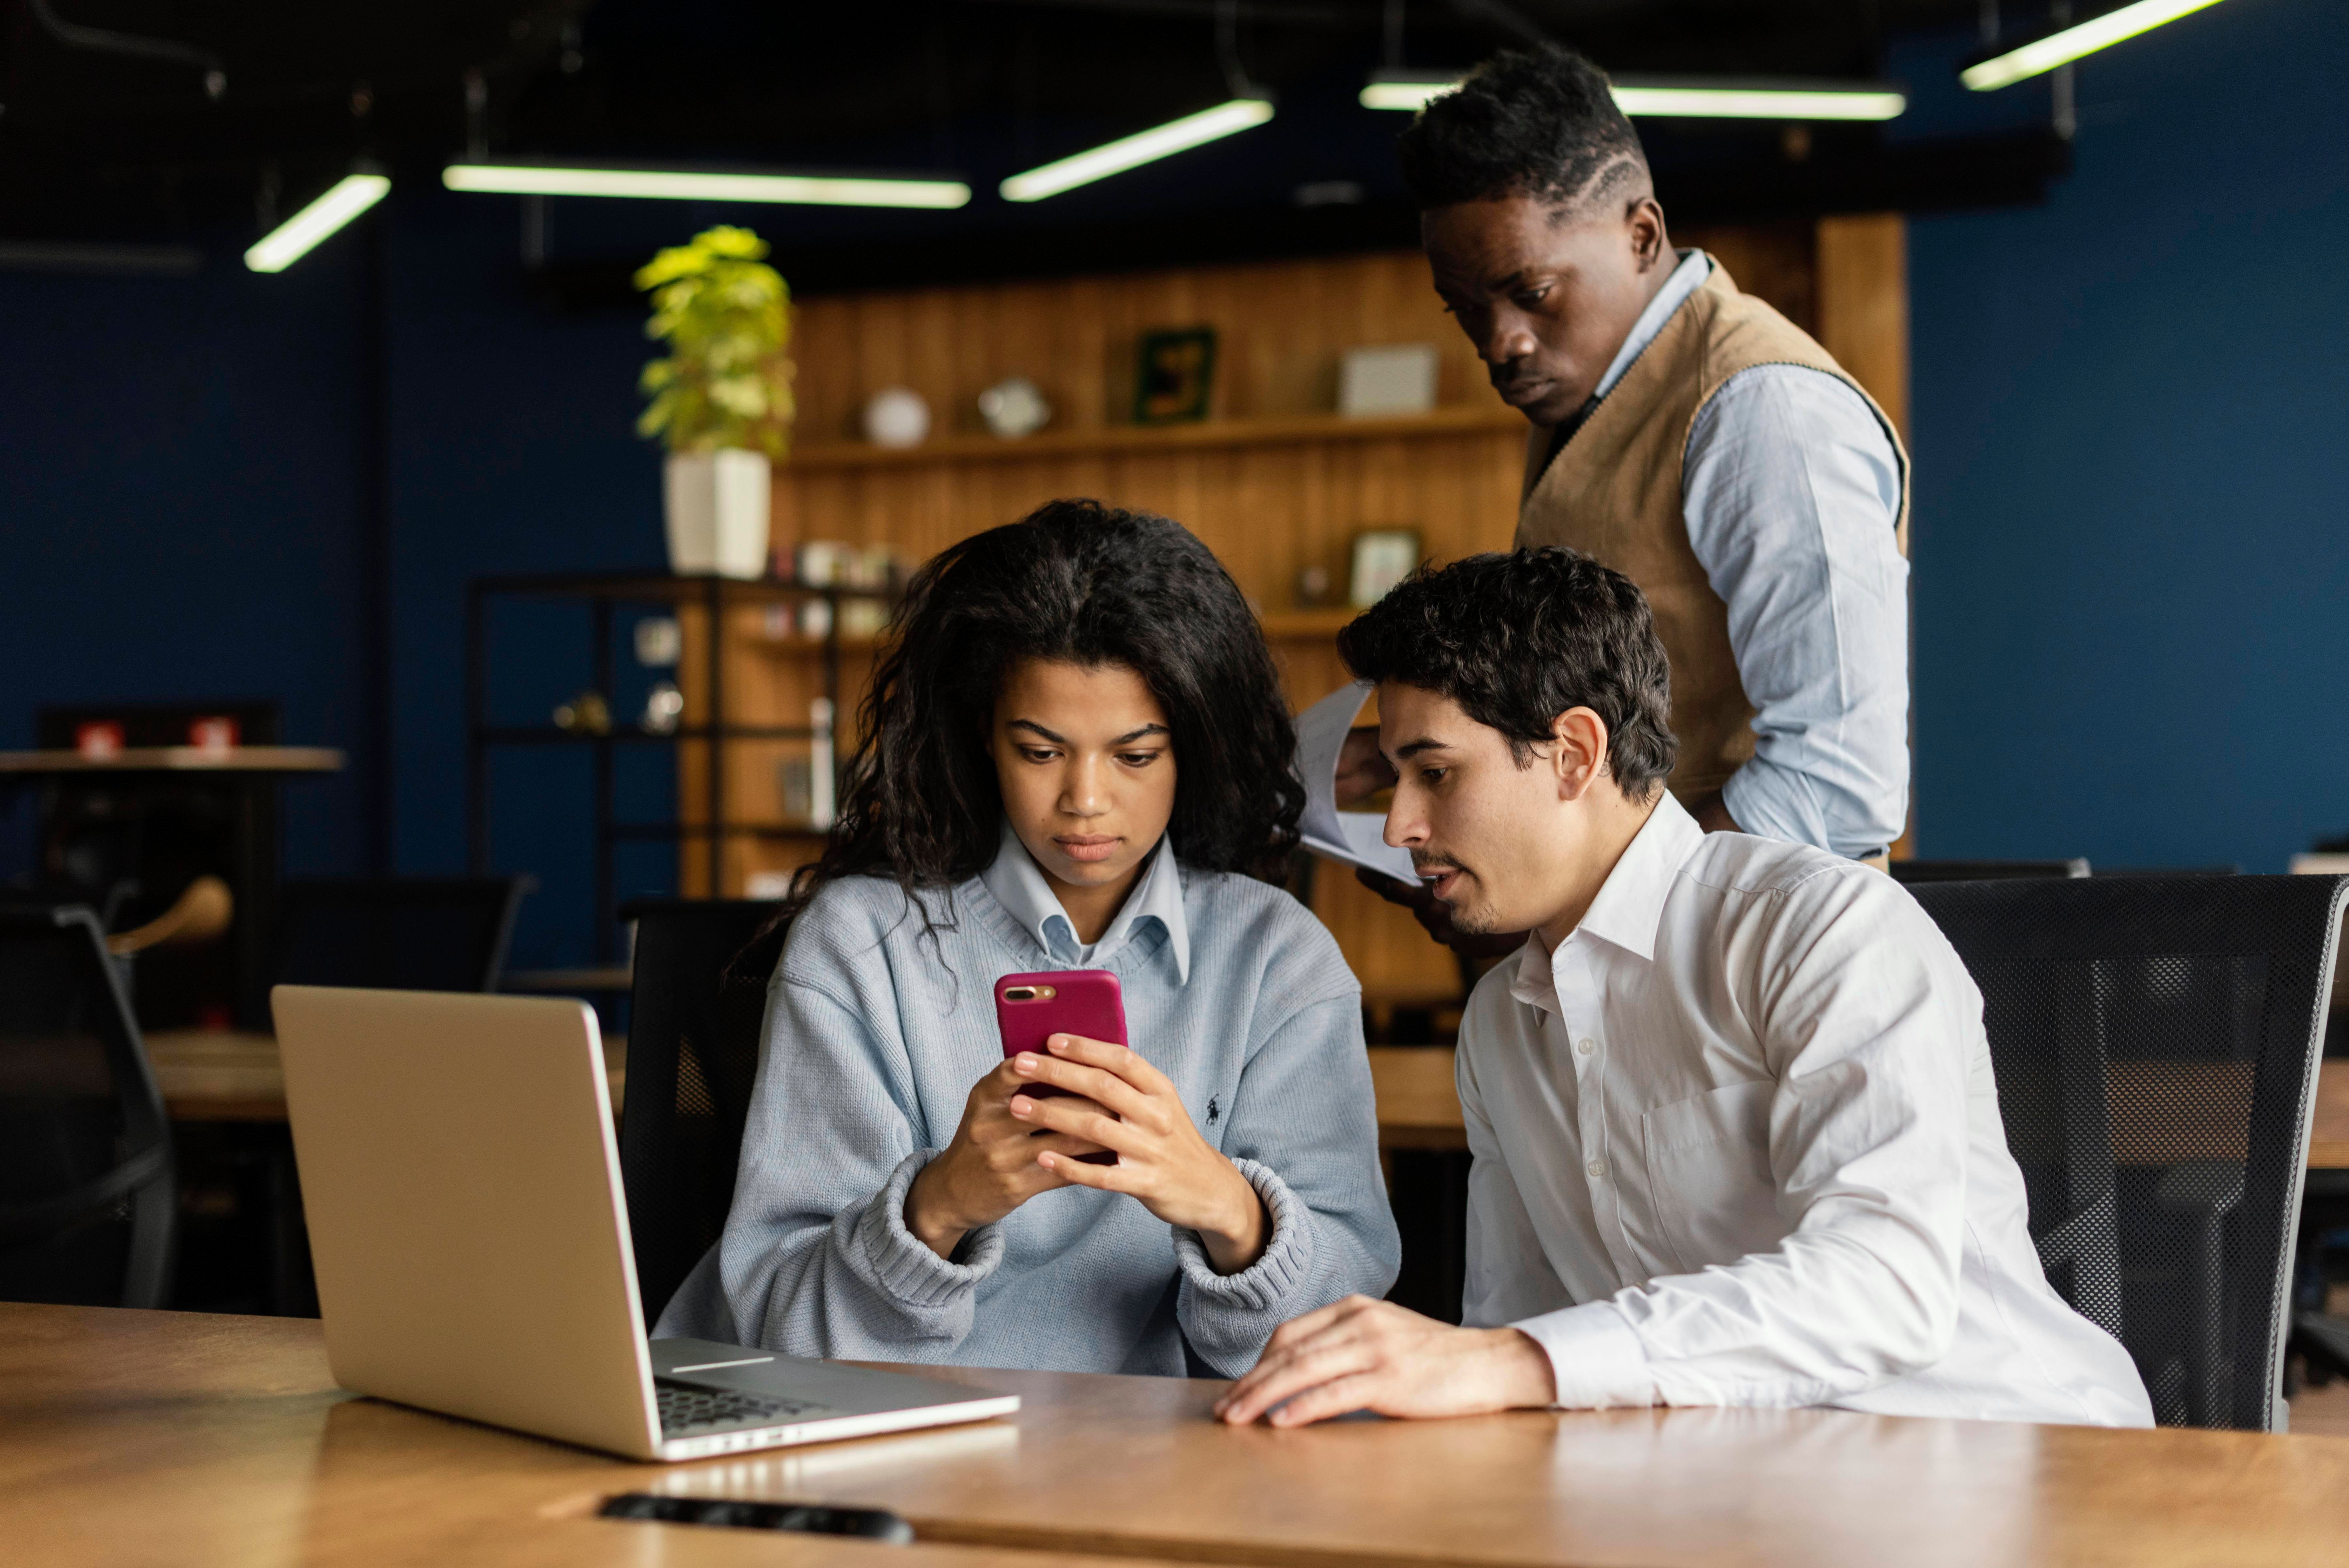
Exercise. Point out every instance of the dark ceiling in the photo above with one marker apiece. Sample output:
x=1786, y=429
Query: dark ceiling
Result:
x=101, y=144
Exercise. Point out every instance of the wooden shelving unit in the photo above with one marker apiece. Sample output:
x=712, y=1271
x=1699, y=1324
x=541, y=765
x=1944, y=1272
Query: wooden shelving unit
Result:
x=1212, y=435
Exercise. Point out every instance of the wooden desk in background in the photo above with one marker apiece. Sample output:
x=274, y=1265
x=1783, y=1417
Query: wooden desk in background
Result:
x=1418, y=1108
x=227, y=1076
x=234, y=1075
x=138, y=1437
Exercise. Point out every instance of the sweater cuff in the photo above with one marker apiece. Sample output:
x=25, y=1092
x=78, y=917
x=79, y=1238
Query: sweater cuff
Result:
x=1598, y=1361
x=1287, y=1260
x=904, y=1263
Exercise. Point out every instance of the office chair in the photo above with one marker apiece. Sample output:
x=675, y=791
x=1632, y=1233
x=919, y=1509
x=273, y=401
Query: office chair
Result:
x=87, y=1199
x=399, y=934
x=1910, y=872
x=2156, y=1044
x=700, y=994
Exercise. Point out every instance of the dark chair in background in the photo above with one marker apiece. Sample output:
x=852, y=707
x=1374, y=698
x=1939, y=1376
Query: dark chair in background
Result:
x=2156, y=1043
x=399, y=934
x=1909, y=872
x=701, y=972
x=87, y=1201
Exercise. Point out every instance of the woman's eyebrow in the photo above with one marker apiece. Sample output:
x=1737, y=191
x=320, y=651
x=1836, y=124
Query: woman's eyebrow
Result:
x=1031, y=724
x=1147, y=730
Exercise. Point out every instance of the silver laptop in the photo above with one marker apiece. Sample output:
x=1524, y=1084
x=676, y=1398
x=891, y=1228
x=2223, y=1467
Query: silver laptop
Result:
x=462, y=1185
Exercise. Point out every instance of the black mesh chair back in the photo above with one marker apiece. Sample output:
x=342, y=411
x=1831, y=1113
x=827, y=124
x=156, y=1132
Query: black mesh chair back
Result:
x=399, y=934
x=1913, y=871
x=701, y=991
x=2155, y=1044
x=88, y=1202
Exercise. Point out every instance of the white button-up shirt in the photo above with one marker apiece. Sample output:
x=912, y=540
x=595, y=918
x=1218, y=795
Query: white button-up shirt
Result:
x=1737, y=1142
x=1791, y=489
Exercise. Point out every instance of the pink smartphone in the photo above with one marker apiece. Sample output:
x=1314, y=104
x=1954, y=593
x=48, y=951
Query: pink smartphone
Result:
x=1031, y=1008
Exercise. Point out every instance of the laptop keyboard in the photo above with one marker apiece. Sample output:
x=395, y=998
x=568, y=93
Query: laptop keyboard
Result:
x=689, y=1408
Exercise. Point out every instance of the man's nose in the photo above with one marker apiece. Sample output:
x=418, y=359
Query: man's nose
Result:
x=1405, y=826
x=1508, y=335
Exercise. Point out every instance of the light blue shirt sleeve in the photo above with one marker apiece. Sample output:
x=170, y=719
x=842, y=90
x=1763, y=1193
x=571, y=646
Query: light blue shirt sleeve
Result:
x=1791, y=491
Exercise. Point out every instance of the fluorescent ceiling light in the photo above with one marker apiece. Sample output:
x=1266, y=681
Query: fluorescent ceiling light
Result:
x=2080, y=38
x=1143, y=147
x=295, y=238
x=1656, y=98
x=547, y=179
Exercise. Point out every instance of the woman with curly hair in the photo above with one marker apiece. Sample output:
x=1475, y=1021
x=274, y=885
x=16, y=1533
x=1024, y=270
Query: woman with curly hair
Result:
x=1076, y=756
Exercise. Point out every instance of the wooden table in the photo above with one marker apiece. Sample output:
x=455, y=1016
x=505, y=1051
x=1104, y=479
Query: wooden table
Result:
x=1419, y=1108
x=234, y=1075
x=159, y=1437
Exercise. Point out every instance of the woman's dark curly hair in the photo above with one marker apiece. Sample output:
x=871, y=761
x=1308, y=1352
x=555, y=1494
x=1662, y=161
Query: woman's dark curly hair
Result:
x=1079, y=582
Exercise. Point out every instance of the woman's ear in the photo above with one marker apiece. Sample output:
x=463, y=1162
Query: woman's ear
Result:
x=1578, y=752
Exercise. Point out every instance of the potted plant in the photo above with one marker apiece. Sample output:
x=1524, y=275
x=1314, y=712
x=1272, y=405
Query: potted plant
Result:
x=722, y=399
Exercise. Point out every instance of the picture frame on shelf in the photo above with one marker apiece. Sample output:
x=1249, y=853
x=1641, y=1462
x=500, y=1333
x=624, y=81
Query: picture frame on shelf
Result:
x=1381, y=558
x=1175, y=376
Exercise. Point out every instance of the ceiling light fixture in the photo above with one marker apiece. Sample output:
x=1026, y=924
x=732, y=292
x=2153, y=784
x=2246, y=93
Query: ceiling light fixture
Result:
x=1667, y=97
x=298, y=235
x=2068, y=44
x=1225, y=118
x=535, y=177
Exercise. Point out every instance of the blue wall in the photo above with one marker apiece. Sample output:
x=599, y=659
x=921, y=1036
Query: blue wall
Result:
x=2132, y=572
x=181, y=488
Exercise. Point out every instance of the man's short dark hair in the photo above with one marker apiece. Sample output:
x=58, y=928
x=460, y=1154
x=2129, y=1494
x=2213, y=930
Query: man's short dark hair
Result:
x=1540, y=123
x=1517, y=639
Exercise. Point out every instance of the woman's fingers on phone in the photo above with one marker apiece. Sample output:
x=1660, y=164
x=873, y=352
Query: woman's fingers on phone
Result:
x=1119, y=1060
x=1093, y=1082
x=1077, y=1116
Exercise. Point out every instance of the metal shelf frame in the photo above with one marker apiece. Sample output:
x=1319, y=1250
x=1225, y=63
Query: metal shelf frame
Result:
x=603, y=592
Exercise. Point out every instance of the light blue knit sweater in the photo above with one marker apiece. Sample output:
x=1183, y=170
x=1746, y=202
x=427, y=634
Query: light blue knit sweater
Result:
x=874, y=1037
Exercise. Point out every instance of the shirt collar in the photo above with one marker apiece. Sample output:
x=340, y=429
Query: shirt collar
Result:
x=1630, y=906
x=1686, y=279
x=1020, y=886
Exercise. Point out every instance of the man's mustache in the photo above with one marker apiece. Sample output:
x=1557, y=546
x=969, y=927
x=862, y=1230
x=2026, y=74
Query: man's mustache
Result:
x=1434, y=865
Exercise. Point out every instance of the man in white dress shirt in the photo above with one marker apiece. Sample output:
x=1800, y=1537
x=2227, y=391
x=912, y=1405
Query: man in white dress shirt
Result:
x=1735, y=1136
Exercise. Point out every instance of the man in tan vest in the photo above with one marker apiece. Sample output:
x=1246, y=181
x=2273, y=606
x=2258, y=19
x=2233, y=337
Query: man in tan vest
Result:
x=1689, y=436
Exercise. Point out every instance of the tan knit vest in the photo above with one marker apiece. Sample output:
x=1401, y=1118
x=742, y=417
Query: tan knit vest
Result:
x=1614, y=493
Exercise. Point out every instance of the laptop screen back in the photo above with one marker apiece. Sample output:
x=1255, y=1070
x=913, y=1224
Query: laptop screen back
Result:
x=462, y=1182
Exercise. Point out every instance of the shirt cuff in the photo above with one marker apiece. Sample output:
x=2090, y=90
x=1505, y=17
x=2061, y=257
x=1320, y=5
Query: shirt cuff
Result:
x=904, y=1263
x=1287, y=1262
x=1598, y=1361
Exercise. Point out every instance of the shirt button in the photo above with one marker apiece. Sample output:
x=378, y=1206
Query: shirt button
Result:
x=1597, y=1168
x=1586, y=1045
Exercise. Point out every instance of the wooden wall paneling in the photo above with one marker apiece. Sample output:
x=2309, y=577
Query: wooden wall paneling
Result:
x=1772, y=262
x=1863, y=305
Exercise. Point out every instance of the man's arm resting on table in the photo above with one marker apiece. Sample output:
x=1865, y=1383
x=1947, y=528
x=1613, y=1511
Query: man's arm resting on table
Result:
x=1362, y=1355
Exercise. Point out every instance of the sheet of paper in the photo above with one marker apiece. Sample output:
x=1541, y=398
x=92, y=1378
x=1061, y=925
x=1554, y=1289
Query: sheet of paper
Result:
x=1352, y=836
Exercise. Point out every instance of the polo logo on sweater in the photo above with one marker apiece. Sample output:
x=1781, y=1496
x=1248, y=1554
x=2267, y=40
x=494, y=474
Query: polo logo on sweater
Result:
x=1211, y=1111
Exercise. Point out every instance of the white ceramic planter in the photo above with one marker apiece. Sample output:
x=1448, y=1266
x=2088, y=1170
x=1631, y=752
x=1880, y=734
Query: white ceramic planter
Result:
x=718, y=513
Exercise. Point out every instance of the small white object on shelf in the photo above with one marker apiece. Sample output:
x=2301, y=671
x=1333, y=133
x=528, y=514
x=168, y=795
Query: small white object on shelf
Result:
x=1014, y=407
x=718, y=513
x=659, y=642
x=769, y=885
x=1391, y=379
x=896, y=416
x=821, y=805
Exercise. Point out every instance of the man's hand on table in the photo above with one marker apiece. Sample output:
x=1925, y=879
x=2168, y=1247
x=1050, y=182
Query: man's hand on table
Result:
x=1362, y=1355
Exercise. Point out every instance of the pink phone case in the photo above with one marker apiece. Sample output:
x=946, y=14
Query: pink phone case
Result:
x=1062, y=1002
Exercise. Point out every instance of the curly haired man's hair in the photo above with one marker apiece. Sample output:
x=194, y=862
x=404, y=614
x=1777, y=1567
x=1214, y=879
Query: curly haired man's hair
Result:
x=1540, y=123
x=1517, y=639
x=1080, y=583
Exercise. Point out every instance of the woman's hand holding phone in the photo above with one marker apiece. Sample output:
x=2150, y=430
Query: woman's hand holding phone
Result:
x=989, y=1167
x=1116, y=1100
